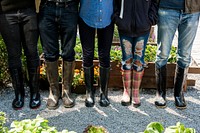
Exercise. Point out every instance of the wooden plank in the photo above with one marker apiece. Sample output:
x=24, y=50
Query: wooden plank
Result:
x=194, y=70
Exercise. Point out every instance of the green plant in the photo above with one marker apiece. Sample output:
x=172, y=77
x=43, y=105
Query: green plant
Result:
x=79, y=77
x=150, y=54
x=115, y=53
x=154, y=127
x=179, y=128
x=115, y=34
x=3, y=129
x=37, y=125
x=157, y=127
x=94, y=129
x=4, y=73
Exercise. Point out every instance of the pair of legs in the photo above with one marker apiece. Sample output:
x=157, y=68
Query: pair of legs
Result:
x=87, y=36
x=58, y=25
x=133, y=50
x=19, y=31
x=169, y=21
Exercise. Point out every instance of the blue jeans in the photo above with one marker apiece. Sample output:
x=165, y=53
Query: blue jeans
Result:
x=19, y=30
x=133, y=52
x=170, y=21
x=58, y=23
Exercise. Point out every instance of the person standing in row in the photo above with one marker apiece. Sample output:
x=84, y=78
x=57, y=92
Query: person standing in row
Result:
x=58, y=25
x=134, y=19
x=95, y=17
x=183, y=16
x=19, y=29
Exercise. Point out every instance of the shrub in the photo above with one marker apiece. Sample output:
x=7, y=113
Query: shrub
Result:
x=3, y=129
x=4, y=73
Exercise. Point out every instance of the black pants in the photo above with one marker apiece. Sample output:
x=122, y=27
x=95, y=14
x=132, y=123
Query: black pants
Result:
x=19, y=30
x=87, y=36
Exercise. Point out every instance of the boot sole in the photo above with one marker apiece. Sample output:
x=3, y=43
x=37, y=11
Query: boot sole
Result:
x=181, y=108
x=18, y=108
x=35, y=107
x=161, y=107
x=89, y=105
x=104, y=105
x=69, y=106
x=52, y=107
x=137, y=105
x=125, y=103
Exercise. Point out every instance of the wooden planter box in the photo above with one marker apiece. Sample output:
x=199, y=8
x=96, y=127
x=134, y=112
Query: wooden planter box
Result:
x=115, y=81
x=149, y=80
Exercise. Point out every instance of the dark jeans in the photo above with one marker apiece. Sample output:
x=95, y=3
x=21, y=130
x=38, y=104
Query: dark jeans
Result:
x=87, y=36
x=19, y=30
x=58, y=23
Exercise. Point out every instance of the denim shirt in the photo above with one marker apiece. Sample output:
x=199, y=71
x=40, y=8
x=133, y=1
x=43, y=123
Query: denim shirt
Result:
x=96, y=13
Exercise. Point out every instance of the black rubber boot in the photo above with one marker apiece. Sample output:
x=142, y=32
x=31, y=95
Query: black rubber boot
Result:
x=90, y=91
x=18, y=85
x=161, y=74
x=104, y=80
x=179, y=81
x=34, y=75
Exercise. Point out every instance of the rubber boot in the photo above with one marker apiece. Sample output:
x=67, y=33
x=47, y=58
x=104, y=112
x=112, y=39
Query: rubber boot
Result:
x=53, y=78
x=67, y=78
x=126, y=79
x=34, y=75
x=136, y=81
x=179, y=81
x=161, y=74
x=90, y=91
x=18, y=85
x=104, y=80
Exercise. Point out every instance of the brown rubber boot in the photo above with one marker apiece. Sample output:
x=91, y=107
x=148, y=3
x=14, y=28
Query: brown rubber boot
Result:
x=137, y=79
x=53, y=78
x=126, y=97
x=67, y=78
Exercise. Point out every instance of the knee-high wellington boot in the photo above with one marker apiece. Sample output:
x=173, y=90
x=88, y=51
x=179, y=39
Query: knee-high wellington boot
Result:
x=90, y=91
x=67, y=78
x=161, y=74
x=137, y=79
x=18, y=85
x=104, y=80
x=34, y=87
x=54, y=92
x=179, y=81
x=127, y=96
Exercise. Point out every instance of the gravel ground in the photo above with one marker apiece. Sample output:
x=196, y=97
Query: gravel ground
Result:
x=115, y=118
